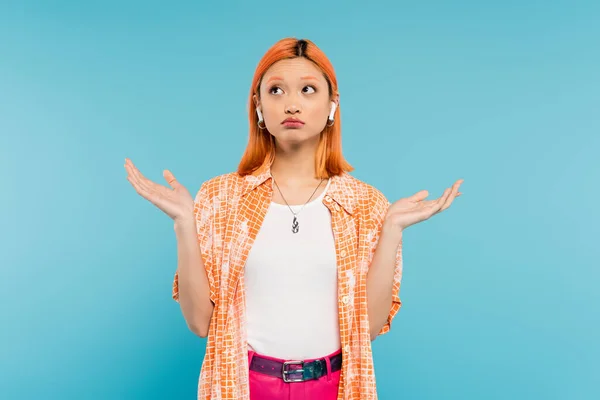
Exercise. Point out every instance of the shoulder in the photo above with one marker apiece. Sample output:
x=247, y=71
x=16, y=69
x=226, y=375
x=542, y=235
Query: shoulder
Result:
x=367, y=197
x=223, y=186
x=218, y=182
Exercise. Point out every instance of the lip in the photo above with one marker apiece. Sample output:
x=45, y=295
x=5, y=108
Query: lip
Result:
x=292, y=122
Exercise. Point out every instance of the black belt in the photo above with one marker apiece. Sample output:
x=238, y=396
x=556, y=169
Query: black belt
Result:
x=301, y=371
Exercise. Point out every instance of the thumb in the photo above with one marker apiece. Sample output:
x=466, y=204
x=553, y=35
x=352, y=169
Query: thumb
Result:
x=170, y=178
x=419, y=195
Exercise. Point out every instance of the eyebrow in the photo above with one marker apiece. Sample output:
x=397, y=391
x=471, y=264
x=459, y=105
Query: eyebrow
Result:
x=278, y=78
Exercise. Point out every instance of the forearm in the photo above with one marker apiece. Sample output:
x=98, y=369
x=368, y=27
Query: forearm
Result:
x=380, y=278
x=194, y=290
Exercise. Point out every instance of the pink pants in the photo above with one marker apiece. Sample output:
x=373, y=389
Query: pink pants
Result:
x=267, y=387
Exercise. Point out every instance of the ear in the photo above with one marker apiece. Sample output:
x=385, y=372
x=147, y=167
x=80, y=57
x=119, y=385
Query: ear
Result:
x=256, y=101
x=336, y=99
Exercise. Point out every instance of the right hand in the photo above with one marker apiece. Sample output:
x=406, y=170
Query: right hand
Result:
x=177, y=202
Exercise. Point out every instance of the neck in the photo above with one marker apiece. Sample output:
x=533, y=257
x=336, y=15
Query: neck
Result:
x=294, y=166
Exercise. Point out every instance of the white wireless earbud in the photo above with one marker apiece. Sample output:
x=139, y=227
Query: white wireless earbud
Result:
x=333, y=107
x=260, y=117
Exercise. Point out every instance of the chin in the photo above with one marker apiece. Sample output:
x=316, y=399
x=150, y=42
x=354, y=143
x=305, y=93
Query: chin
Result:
x=295, y=136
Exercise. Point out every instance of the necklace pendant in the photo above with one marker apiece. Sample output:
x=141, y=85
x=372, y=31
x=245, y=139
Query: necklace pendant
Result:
x=295, y=225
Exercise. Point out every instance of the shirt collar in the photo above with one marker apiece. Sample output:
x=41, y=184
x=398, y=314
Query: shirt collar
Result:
x=340, y=188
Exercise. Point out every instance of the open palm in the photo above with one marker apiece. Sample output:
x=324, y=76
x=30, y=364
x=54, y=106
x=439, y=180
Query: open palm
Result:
x=176, y=201
x=414, y=209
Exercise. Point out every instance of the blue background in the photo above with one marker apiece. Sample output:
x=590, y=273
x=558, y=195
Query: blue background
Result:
x=500, y=292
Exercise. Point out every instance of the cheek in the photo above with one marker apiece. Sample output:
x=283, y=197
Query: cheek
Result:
x=269, y=109
x=319, y=114
x=316, y=107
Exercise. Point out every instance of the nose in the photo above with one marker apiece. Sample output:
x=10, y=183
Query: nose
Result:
x=291, y=109
x=292, y=104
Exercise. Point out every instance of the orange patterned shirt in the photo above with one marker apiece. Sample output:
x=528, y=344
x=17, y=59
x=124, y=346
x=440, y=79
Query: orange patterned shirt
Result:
x=229, y=210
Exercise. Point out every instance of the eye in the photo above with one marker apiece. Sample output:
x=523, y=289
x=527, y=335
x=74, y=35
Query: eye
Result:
x=274, y=88
x=309, y=87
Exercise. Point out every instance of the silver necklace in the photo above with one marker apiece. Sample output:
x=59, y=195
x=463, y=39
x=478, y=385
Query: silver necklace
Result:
x=295, y=224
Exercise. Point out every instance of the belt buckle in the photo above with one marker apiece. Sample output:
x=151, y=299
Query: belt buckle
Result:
x=286, y=372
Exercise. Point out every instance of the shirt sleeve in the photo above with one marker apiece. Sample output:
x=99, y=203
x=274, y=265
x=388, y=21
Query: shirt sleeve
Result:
x=204, y=217
x=379, y=211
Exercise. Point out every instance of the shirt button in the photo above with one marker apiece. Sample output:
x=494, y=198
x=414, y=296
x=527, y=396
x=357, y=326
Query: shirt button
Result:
x=345, y=299
x=347, y=348
x=327, y=198
x=337, y=207
x=343, y=253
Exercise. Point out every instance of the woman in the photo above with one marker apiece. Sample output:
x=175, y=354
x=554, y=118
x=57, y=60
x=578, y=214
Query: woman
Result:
x=290, y=266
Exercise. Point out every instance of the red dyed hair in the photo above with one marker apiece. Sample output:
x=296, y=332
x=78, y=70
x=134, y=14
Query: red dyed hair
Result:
x=261, y=144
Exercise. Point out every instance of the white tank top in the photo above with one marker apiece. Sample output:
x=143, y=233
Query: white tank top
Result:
x=291, y=284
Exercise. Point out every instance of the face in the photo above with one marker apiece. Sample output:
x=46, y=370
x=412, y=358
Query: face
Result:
x=295, y=89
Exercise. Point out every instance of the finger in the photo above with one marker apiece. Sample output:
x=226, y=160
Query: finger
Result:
x=430, y=207
x=130, y=166
x=133, y=176
x=419, y=196
x=129, y=170
x=149, y=186
x=145, y=187
x=140, y=190
x=440, y=202
x=428, y=203
x=450, y=198
x=135, y=171
x=170, y=178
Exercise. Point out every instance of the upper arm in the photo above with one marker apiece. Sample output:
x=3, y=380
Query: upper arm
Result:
x=379, y=206
x=204, y=215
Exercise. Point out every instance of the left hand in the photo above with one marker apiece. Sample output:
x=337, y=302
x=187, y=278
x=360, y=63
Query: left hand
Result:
x=414, y=209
